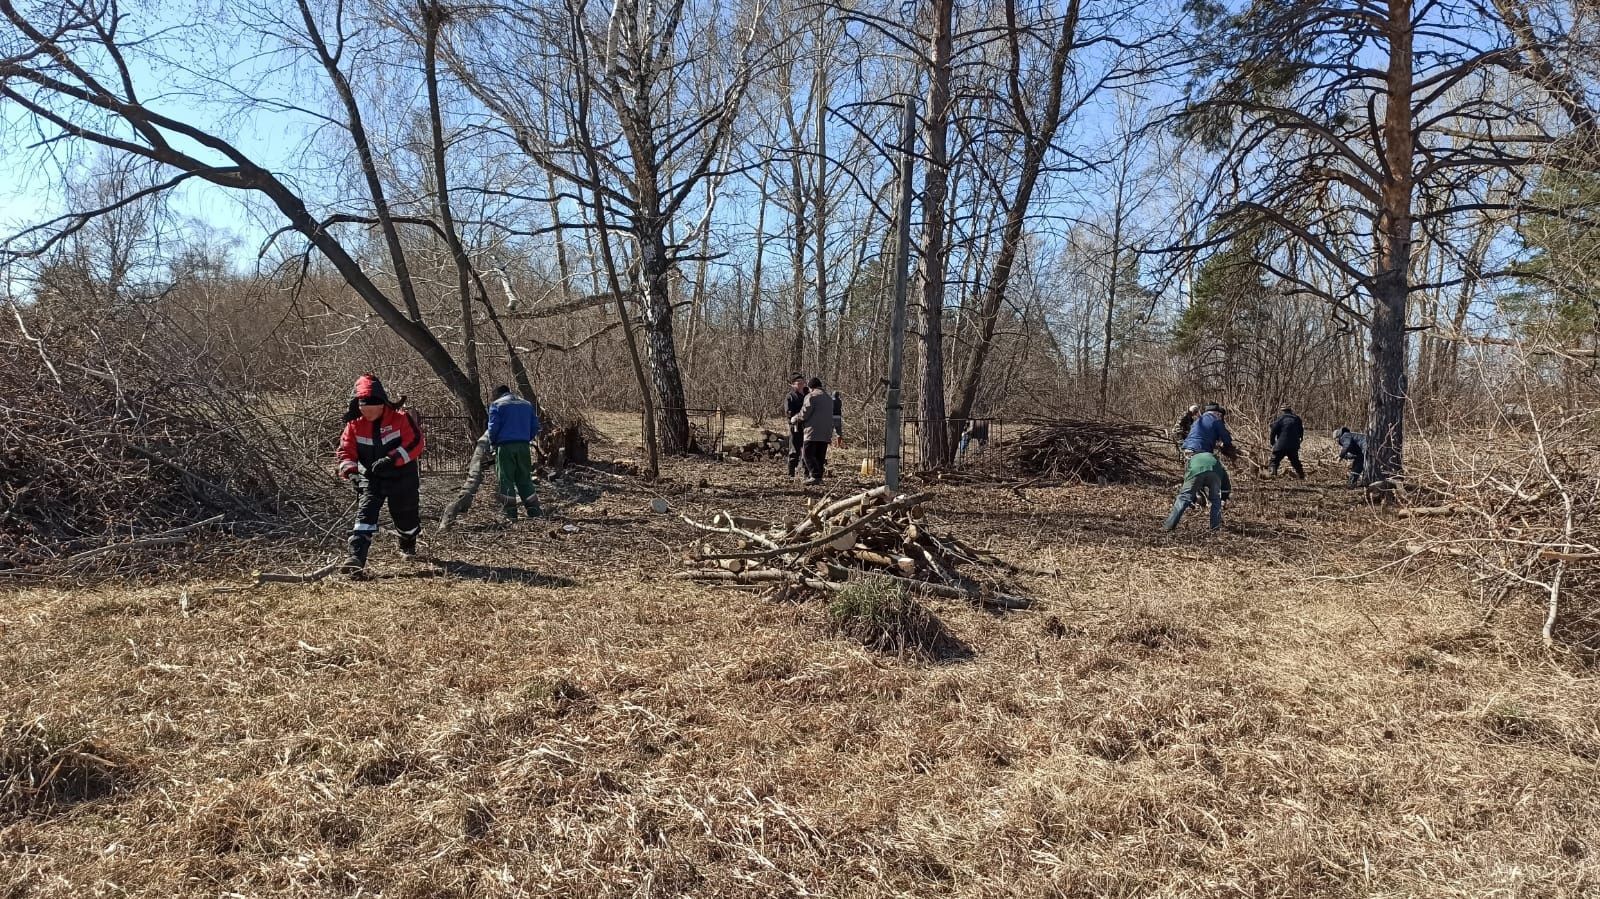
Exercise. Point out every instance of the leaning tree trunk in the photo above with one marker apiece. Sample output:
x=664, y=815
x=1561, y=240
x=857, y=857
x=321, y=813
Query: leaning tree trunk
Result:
x=433, y=15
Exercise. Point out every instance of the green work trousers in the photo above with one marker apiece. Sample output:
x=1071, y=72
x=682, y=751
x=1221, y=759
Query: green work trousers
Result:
x=513, y=465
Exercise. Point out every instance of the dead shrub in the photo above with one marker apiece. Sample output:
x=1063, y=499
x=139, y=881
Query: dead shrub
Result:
x=46, y=767
x=1156, y=634
x=878, y=613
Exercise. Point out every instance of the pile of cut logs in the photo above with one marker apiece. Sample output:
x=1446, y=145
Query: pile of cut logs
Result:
x=877, y=532
x=772, y=445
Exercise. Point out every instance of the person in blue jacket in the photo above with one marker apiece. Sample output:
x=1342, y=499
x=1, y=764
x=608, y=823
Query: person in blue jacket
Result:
x=1209, y=432
x=513, y=423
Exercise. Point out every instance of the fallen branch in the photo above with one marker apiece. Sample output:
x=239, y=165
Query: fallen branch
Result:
x=859, y=501
x=730, y=529
x=1431, y=511
x=761, y=576
x=165, y=538
x=1556, y=555
x=269, y=577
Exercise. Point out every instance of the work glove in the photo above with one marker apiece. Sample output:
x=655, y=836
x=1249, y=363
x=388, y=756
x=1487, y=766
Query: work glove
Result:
x=382, y=465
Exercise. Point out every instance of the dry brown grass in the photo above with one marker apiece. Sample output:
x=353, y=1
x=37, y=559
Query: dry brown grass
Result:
x=1182, y=716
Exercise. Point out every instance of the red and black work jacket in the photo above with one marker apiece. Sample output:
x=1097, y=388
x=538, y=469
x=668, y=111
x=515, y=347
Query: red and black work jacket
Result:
x=392, y=434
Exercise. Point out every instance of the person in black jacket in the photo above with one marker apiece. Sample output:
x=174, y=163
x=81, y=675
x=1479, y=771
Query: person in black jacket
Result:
x=1286, y=434
x=791, y=407
x=1352, y=446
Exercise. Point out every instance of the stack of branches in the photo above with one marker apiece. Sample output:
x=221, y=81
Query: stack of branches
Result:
x=876, y=532
x=1519, y=513
x=101, y=462
x=1087, y=450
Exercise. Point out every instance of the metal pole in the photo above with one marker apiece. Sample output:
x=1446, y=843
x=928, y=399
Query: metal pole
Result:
x=897, y=326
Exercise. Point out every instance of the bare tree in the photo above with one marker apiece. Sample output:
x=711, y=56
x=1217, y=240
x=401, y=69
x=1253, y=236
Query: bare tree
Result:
x=934, y=443
x=1033, y=129
x=656, y=133
x=77, y=72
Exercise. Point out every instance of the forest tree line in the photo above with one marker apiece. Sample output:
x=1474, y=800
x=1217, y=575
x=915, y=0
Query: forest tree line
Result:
x=1371, y=210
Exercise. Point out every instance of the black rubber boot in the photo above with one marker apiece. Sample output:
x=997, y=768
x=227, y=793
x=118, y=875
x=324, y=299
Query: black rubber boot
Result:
x=356, y=562
x=531, y=506
x=408, y=546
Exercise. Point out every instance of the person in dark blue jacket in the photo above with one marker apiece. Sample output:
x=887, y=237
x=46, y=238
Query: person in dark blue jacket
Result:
x=513, y=423
x=1209, y=432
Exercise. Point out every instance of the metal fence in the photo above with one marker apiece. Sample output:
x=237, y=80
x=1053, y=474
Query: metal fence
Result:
x=869, y=438
x=709, y=427
x=450, y=443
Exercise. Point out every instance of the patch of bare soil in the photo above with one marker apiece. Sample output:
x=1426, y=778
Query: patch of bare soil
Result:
x=540, y=711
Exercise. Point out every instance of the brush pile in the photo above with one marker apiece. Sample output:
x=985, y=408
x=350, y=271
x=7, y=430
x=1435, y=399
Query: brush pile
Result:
x=94, y=462
x=1521, y=521
x=1088, y=451
x=878, y=533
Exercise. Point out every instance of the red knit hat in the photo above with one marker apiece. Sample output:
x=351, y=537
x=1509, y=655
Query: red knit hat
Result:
x=368, y=387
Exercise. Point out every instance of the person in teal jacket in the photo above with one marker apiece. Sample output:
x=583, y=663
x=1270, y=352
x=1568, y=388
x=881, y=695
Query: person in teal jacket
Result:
x=1205, y=475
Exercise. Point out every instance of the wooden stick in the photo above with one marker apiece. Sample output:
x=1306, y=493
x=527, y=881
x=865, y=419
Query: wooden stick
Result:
x=1430, y=511
x=730, y=529
x=901, y=502
x=760, y=576
x=1556, y=555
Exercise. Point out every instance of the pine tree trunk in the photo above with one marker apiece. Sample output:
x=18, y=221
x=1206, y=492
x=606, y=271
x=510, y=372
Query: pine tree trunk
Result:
x=1391, y=285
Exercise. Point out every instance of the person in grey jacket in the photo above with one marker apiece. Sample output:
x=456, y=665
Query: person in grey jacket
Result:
x=815, y=423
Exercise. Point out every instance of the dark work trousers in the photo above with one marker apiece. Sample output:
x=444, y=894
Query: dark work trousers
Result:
x=797, y=440
x=1293, y=455
x=403, y=493
x=816, y=458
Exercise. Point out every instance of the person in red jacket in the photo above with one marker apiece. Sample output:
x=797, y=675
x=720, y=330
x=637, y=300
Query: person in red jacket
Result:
x=382, y=442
